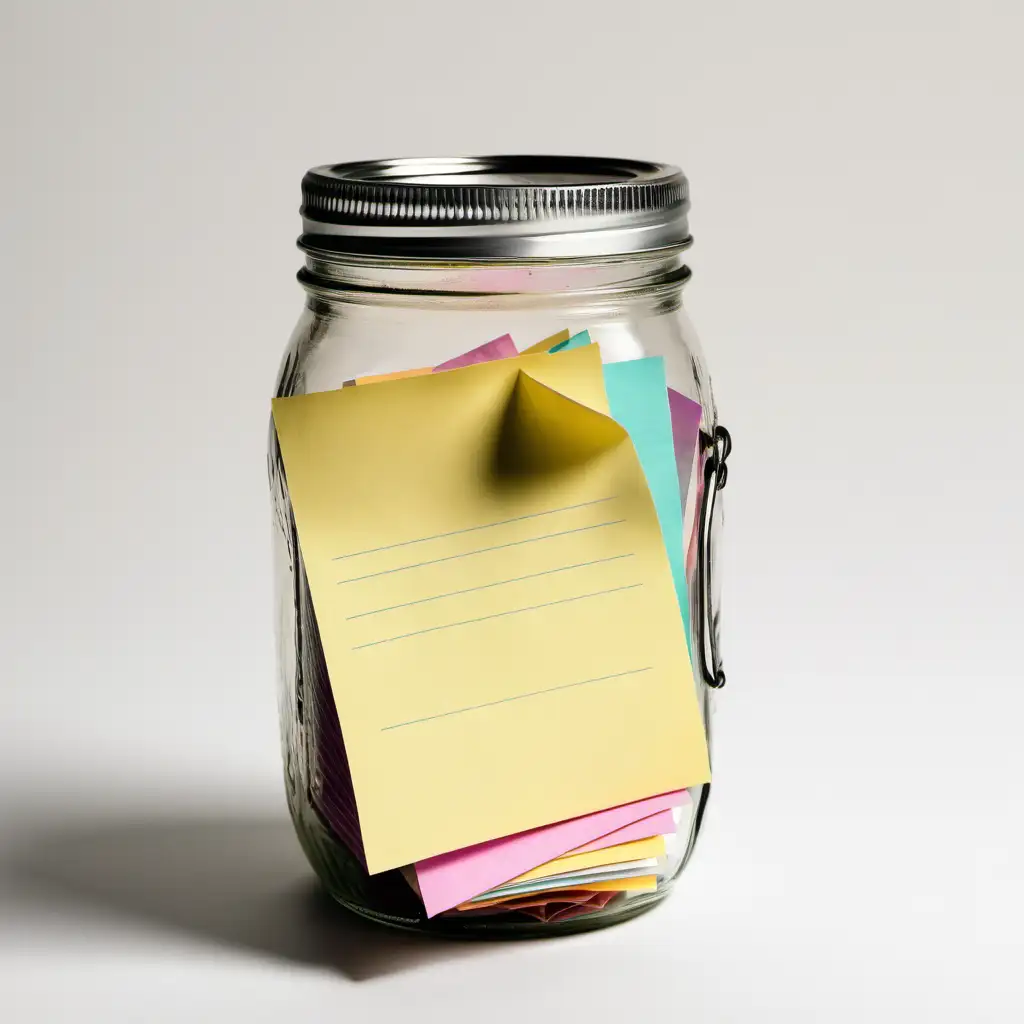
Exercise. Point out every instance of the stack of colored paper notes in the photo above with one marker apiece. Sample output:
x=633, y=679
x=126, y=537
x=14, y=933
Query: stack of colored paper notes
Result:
x=497, y=558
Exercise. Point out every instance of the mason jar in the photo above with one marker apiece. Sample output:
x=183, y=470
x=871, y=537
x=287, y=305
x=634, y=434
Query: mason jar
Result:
x=409, y=263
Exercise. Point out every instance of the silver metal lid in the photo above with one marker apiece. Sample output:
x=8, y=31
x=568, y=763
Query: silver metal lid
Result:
x=495, y=207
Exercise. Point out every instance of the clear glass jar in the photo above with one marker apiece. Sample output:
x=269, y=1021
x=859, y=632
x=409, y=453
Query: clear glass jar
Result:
x=370, y=312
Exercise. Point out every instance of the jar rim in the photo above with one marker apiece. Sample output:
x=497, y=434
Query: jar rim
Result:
x=495, y=208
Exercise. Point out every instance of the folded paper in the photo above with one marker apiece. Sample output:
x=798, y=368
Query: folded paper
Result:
x=631, y=869
x=639, y=883
x=453, y=878
x=565, y=903
x=575, y=863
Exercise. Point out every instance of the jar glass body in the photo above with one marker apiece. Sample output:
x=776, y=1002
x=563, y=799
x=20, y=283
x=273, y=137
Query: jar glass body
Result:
x=366, y=316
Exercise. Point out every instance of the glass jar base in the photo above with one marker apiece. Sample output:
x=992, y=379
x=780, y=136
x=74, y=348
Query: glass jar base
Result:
x=509, y=926
x=388, y=900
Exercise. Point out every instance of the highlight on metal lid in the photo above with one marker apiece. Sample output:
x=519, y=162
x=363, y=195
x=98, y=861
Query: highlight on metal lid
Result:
x=495, y=207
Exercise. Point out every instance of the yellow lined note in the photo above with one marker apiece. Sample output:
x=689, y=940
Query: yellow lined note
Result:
x=494, y=601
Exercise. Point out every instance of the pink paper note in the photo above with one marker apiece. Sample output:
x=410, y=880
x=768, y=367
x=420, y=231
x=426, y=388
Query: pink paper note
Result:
x=500, y=348
x=660, y=824
x=452, y=878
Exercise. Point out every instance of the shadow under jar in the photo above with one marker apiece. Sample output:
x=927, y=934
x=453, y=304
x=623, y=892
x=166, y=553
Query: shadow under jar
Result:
x=410, y=263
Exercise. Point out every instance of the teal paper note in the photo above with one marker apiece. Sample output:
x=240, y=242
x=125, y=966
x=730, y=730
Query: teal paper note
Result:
x=638, y=400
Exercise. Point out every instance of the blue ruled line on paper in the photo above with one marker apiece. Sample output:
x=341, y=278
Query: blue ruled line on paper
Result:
x=518, y=696
x=496, y=615
x=480, y=551
x=488, y=586
x=472, y=529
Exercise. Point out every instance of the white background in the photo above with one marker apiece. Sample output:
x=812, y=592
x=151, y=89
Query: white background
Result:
x=856, y=173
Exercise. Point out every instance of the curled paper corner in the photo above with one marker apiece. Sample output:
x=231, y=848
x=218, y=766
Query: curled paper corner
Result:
x=542, y=432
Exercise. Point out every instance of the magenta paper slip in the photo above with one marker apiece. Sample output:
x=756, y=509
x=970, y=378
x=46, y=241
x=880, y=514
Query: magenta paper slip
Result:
x=685, y=415
x=500, y=348
x=452, y=878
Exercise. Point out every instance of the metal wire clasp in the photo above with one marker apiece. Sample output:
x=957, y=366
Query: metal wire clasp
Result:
x=717, y=448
